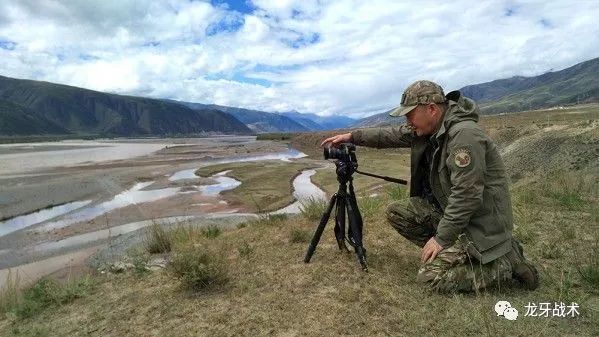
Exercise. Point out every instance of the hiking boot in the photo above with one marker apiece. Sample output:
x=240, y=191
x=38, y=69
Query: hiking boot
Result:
x=522, y=269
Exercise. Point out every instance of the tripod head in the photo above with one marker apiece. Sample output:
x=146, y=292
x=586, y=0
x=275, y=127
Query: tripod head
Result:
x=345, y=170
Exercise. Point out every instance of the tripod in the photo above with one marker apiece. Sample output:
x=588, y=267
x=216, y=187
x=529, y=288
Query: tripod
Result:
x=346, y=202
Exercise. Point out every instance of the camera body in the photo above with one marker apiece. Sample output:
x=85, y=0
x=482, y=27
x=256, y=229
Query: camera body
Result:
x=345, y=153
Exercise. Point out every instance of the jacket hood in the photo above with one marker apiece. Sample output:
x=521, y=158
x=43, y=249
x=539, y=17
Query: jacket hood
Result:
x=459, y=108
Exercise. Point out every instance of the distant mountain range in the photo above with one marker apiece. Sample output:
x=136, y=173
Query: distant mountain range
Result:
x=34, y=107
x=41, y=108
x=293, y=121
x=257, y=121
x=573, y=85
x=315, y=122
x=380, y=119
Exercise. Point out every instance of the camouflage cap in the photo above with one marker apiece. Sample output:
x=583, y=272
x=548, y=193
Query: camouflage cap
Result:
x=419, y=92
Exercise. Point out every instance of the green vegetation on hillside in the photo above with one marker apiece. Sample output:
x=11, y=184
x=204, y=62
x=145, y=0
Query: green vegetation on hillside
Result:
x=85, y=111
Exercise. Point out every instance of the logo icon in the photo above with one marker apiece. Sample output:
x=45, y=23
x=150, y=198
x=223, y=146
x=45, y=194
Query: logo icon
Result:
x=462, y=158
x=504, y=308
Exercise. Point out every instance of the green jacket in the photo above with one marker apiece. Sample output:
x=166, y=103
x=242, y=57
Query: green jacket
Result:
x=467, y=178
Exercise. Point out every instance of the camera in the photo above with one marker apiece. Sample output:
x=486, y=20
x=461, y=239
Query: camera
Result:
x=346, y=152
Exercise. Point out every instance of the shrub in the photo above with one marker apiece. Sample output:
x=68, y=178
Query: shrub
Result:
x=397, y=192
x=245, y=249
x=299, y=236
x=10, y=296
x=587, y=264
x=211, y=231
x=313, y=208
x=157, y=240
x=48, y=292
x=199, y=267
x=370, y=206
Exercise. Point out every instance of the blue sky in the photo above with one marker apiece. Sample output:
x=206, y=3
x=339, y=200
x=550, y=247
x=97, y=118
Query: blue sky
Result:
x=349, y=58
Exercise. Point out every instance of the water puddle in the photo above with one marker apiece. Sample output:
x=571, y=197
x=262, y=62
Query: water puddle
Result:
x=185, y=174
x=223, y=184
x=304, y=190
x=22, y=221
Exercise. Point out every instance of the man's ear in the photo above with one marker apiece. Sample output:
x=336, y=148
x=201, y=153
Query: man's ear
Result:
x=432, y=109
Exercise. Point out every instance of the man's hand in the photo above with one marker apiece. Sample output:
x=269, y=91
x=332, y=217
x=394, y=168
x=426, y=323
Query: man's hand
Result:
x=337, y=139
x=430, y=250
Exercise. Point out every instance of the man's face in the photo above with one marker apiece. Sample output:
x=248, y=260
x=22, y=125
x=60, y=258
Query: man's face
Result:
x=422, y=120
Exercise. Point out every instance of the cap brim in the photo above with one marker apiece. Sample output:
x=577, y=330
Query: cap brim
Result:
x=402, y=110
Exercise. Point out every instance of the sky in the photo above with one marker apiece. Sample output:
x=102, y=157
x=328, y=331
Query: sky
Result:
x=351, y=58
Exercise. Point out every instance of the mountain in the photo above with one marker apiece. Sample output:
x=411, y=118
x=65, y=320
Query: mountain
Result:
x=573, y=85
x=378, y=120
x=304, y=121
x=18, y=120
x=315, y=122
x=55, y=107
x=257, y=121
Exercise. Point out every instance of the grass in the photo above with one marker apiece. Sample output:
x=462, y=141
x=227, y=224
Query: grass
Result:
x=211, y=231
x=397, y=192
x=157, y=240
x=44, y=293
x=199, y=266
x=253, y=281
x=299, y=236
x=370, y=206
x=9, y=294
x=245, y=249
x=313, y=208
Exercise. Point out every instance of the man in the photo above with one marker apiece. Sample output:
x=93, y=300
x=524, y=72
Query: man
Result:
x=459, y=210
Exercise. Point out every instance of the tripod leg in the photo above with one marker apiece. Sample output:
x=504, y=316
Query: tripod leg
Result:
x=355, y=225
x=340, y=220
x=323, y=221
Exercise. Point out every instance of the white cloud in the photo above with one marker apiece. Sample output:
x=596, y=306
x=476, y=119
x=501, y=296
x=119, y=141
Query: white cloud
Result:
x=351, y=57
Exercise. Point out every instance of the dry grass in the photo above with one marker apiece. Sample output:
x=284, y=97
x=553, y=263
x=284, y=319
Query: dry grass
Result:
x=157, y=240
x=264, y=288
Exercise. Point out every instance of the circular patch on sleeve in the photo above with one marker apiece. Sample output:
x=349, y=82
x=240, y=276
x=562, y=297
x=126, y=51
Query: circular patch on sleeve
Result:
x=462, y=158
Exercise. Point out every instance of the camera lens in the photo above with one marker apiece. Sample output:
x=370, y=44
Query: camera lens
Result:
x=329, y=153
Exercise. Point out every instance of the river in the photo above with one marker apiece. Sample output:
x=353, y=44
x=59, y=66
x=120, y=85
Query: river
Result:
x=37, y=230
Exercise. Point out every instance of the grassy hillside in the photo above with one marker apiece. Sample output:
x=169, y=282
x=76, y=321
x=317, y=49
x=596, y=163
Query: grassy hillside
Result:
x=17, y=120
x=574, y=85
x=252, y=281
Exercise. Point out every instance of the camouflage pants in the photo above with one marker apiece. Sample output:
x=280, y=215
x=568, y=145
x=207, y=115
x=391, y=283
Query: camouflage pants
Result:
x=453, y=270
